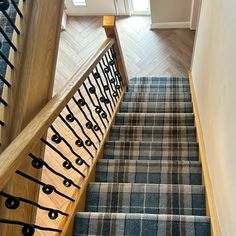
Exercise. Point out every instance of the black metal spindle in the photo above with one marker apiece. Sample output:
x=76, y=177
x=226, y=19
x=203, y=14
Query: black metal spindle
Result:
x=13, y=202
x=117, y=73
x=79, y=142
x=47, y=188
x=111, y=62
x=57, y=138
x=96, y=127
x=106, y=88
x=5, y=58
x=96, y=107
x=17, y=8
x=4, y=5
x=7, y=39
x=28, y=229
x=38, y=163
x=99, y=109
x=5, y=81
x=103, y=98
x=67, y=163
x=71, y=117
x=3, y=102
x=89, y=125
x=106, y=71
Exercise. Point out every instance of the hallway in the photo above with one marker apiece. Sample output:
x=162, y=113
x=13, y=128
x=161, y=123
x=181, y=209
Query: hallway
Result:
x=147, y=52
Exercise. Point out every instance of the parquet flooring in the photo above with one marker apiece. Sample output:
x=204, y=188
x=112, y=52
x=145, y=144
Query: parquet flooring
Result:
x=147, y=52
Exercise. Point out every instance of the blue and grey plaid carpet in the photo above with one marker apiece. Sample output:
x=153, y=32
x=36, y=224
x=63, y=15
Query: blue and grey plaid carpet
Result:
x=149, y=182
x=5, y=45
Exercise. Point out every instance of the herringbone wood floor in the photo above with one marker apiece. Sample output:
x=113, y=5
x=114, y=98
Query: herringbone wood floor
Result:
x=147, y=52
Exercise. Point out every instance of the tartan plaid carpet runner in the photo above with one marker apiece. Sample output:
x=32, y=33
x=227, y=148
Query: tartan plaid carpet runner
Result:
x=149, y=182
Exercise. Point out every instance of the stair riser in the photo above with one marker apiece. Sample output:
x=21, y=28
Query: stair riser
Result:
x=129, y=107
x=151, y=151
x=159, y=89
x=161, y=80
x=149, y=178
x=154, y=97
x=154, y=120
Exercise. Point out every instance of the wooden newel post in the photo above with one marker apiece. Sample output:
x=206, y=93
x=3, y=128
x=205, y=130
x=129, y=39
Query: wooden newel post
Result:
x=109, y=25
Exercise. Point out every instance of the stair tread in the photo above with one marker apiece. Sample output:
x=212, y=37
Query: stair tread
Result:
x=164, y=133
x=94, y=223
x=146, y=198
x=157, y=172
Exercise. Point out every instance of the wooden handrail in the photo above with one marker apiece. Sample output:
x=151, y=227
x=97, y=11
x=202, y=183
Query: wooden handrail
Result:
x=14, y=154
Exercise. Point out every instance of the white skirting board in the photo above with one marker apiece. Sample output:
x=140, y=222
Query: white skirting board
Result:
x=170, y=25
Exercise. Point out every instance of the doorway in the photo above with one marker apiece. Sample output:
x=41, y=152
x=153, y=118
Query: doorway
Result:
x=140, y=7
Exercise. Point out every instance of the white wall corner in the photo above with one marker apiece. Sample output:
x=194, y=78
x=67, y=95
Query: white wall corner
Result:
x=171, y=25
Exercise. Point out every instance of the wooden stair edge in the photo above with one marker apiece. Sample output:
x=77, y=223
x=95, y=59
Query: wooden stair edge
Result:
x=210, y=201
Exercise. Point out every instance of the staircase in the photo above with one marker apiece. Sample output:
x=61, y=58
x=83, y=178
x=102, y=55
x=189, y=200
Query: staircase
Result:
x=149, y=182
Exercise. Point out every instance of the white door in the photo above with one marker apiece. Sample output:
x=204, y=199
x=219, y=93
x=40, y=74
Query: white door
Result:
x=140, y=7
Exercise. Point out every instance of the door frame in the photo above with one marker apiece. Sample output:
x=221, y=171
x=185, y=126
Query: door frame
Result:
x=141, y=13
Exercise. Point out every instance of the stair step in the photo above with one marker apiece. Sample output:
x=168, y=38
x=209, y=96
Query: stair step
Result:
x=151, y=151
x=150, y=119
x=158, y=80
x=87, y=223
x=159, y=88
x=153, y=133
x=153, y=172
x=154, y=107
x=157, y=97
x=146, y=198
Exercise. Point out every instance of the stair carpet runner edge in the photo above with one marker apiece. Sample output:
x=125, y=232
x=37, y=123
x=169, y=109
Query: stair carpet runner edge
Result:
x=149, y=182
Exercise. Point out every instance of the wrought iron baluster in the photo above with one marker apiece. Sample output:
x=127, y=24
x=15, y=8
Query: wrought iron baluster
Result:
x=79, y=142
x=70, y=118
x=96, y=127
x=8, y=39
x=99, y=115
x=5, y=58
x=99, y=109
x=57, y=138
x=106, y=87
x=67, y=163
x=114, y=79
x=5, y=81
x=3, y=102
x=38, y=163
x=89, y=124
x=117, y=73
x=13, y=202
x=103, y=98
x=47, y=188
x=17, y=8
x=4, y=5
x=28, y=229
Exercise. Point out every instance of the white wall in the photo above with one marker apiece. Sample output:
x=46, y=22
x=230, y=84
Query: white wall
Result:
x=98, y=7
x=167, y=12
x=214, y=69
